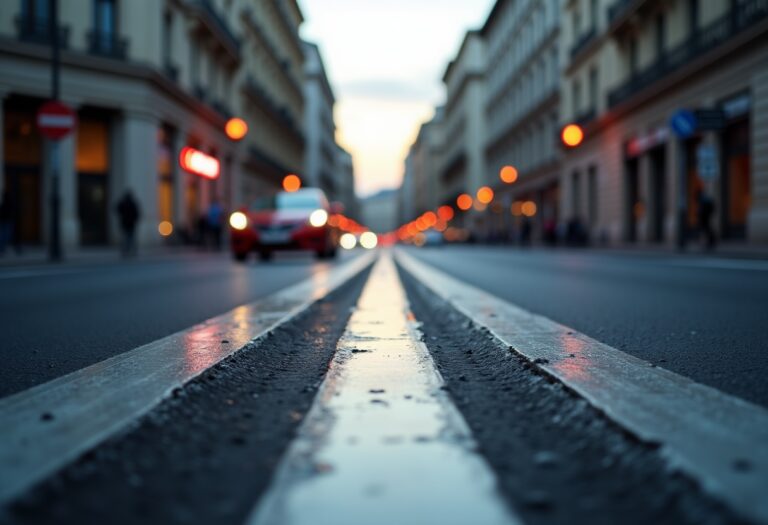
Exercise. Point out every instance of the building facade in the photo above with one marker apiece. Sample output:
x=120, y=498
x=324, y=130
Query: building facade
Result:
x=344, y=177
x=146, y=79
x=522, y=113
x=320, y=152
x=462, y=169
x=672, y=99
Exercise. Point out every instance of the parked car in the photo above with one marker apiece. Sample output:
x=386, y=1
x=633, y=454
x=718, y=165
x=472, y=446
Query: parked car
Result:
x=285, y=221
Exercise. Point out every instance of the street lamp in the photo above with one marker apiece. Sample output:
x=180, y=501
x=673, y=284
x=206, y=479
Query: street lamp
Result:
x=572, y=135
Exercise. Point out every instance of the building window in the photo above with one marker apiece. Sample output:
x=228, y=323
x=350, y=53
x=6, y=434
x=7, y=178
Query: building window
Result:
x=194, y=63
x=593, y=79
x=592, y=195
x=593, y=13
x=576, y=96
x=660, y=35
x=575, y=195
x=167, y=37
x=104, y=18
x=693, y=15
x=36, y=11
x=633, y=56
x=576, y=24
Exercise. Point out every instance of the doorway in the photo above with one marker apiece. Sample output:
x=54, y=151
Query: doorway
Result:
x=658, y=160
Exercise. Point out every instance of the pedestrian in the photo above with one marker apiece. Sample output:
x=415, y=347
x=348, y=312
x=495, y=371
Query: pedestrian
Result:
x=215, y=215
x=129, y=215
x=525, y=232
x=706, y=212
x=8, y=223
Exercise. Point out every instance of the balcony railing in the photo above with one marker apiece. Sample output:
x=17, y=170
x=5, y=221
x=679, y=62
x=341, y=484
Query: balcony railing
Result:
x=738, y=19
x=221, y=109
x=171, y=71
x=220, y=27
x=200, y=92
x=583, y=41
x=38, y=31
x=107, y=44
x=620, y=8
x=585, y=117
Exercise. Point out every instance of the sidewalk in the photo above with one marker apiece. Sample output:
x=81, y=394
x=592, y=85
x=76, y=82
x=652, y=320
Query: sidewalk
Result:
x=726, y=250
x=729, y=250
x=37, y=255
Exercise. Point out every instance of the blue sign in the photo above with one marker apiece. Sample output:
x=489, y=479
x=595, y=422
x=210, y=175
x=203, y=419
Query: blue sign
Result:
x=683, y=123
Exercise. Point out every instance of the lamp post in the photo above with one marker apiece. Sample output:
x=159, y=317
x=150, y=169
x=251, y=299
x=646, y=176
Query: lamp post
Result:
x=54, y=249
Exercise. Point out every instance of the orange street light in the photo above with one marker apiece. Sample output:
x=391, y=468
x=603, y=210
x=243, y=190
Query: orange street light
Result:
x=485, y=195
x=291, y=183
x=236, y=128
x=445, y=213
x=508, y=174
x=529, y=208
x=430, y=219
x=572, y=135
x=464, y=202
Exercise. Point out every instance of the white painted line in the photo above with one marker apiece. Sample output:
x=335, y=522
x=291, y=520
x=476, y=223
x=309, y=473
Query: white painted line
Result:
x=719, y=440
x=382, y=444
x=49, y=425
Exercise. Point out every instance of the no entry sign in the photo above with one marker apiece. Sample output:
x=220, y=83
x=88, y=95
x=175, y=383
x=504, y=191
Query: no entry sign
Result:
x=55, y=120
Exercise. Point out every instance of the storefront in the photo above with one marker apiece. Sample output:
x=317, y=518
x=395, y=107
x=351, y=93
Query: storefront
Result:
x=22, y=167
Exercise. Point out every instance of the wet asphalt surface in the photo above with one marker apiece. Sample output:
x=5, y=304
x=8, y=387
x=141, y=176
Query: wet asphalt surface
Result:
x=58, y=319
x=208, y=452
x=556, y=458
x=706, y=319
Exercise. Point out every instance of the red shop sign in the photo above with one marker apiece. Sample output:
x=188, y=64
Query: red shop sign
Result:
x=198, y=163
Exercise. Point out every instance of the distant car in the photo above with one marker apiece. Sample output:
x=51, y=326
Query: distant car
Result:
x=285, y=221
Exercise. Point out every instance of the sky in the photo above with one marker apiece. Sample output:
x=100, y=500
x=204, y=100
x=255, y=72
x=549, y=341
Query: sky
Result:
x=385, y=60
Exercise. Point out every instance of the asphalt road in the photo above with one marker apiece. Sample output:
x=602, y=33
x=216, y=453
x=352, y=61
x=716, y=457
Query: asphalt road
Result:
x=55, y=320
x=706, y=319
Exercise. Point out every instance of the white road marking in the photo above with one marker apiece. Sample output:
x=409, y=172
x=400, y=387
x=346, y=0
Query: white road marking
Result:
x=382, y=444
x=47, y=426
x=719, y=440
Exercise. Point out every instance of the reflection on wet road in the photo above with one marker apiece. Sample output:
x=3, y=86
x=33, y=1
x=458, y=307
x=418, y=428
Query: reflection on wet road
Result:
x=383, y=433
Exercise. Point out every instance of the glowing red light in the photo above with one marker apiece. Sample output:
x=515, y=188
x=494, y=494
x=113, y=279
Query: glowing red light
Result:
x=198, y=163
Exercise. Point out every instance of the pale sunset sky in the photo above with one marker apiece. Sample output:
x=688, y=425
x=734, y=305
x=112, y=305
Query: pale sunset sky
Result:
x=385, y=59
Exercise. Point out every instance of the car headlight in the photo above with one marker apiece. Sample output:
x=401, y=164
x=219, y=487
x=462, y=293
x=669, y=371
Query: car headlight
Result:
x=318, y=218
x=369, y=240
x=238, y=220
x=348, y=241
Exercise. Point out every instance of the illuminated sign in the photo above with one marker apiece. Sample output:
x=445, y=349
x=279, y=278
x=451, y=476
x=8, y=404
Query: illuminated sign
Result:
x=198, y=163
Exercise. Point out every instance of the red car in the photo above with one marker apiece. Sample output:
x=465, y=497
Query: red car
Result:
x=285, y=221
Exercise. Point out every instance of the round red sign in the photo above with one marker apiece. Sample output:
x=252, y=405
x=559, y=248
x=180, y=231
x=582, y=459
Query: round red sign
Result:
x=55, y=120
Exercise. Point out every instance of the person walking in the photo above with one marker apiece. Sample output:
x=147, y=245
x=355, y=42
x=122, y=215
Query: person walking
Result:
x=215, y=215
x=129, y=215
x=706, y=212
x=8, y=223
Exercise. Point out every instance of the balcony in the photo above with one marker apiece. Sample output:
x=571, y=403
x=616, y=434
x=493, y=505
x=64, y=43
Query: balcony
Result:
x=38, y=31
x=222, y=109
x=107, y=44
x=200, y=92
x=621, y=8
x=742, y=17
x=583, y=43
x=215, y=25
x=171, y=71
x=585, y=117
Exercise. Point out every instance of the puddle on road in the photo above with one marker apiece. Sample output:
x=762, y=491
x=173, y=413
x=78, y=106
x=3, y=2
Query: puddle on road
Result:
x=383, y=443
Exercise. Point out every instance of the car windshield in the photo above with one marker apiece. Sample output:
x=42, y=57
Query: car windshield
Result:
x=288, y=201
